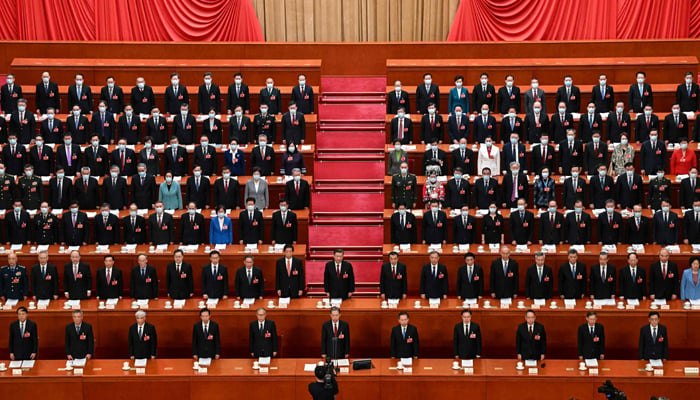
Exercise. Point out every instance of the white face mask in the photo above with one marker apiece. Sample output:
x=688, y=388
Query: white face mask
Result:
x=623, y=141
x=204, y=144
x=512, y=115
x=174, y=81
x=183, y=113
x=78, y=82
x=535, y=85
x=484, y=81
x=227, y=175
x=509, y=83
x=459, y=113
x=647, y=113
x=591, y=110
x=545, y=174
x=129, y=113
x=22, y=108
x=567, y=82
x=676, y=111
x=640, y=80
x=207, y=81
x=484, y=112
x=140, y=85
x=302, y=82
x=103, y=109
x=536, y=110
x=688, y=81
x=620, y=109
x=251, y=208
x=238, y=81
x=256, y=177
x=239, y=113
x=114, y=174
x=270, y=85
x=431, y=111
x=262, y=143
x=428, y=81
x=10, y=81
x=562, y=110
x=156, y=115
x=492, y=210
x=197, y=174
x=50, y=116
x=397, y=88
x=76, y=113
x=147, y=145
x=602, y=82
x=263, y=110
x=458, y=84
x=45, y=80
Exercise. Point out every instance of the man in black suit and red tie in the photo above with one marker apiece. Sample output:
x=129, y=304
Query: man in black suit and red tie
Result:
x=143, y=339
x=483, y=93
x=284, y=225
x=113, y=95
x=226, y=190
x=591, y=338
x=47, y=94
x=595, y=152
x=603, y=280
x=403, y=226
x=77, y=278
x=184, y=125
x=262, y=335
x=206, y=338
x=633, y=281
x=22, y=124
x=401, y=127
x=687, y=94
x=238, y=95
x=504, y=276
x=249, y=281
x=175, y=157
x=653, y=339
x=393, y=279
x=397, y=99
x=552, y=225
x=129, y=126
x=603, y=95
x=134, y=226
x=619, y=121
x=104, y=124
x=24, y=340
x=41, y=157
x=10, y=92
x=303, y=95
x=293, y=125
x=339, y=278
x=178, y=277
x=646, y=122
x=208, y=95
x=531, y=339
x=522, y=226
x=466, y=339
x=458, y=125
x=335, y=337
x=214, y=278
x=560, y=122
x=192, y=230
x=157, y=127
x=297, y=192
x=239, y=126
x=109, y=283
x=570, y=95
x=289, y=280
x=271, y=96
x=663, y=278
x=80, y=95
x=509, y=96
x=427, y=93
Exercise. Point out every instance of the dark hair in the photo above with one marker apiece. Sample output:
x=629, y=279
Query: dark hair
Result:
x=403, y=313
x=466, y=310
x=393, y=253
x=469, y=254
x=211, y=253
x=108, y=256
x=652, y=313
x=204, y=310
x=591, y=314
x=288, y=246
x=179, y=251
x=22, y=309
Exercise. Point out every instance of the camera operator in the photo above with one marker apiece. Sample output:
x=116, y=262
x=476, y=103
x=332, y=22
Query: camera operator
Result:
x=320, y=390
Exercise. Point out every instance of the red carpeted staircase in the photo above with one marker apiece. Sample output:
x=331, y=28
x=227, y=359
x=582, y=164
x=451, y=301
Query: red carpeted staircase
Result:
x=348, y=193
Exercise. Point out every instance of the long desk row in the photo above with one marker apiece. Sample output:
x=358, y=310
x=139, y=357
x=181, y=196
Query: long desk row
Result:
x=299, y=327
x=490, y=379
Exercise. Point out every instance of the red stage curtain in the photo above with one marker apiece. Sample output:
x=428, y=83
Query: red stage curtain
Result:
x=130, y=20
x=517, y=20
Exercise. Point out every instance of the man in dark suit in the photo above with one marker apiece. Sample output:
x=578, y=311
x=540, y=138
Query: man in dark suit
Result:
x=404, y=338
x=610, y=225
x=663, y=278
x=75, y=227
x=531, y=339
x=434, y=225
x=393, y=278
x=532, y=95
x=18, y=225
x=464, y=227
x=104, y=124
x=10, y=92
x=466, y=339
x=238, y=95
x=335, y=337
x=572, y=278
x=142, y=97
x=80, y=95
x=263, y=156
x=134, y=226
x=144, y=280
x=178, y=277
x=431, y=126
x=433, y=279
x=640, y=94
x=484, y=125
x=24, y=339
x=574, y=188
x=514, y=151
x=51, y=128
x=198, y=188
x=77, y=126
x=44, y=279
x=539, y=281
x=249, y=281
x=458, y=125
x=552, y=225
x=457, y=190
x=653, y=339
x=560, y=123
x=109, y=283
x=687, y=94
x=114, y=190
x=208, y=95
x=14, y=156
x=664, y=225
x=214, y=278
x=251, y=226
x=161, y=226
x=570, y=152
x=676, y=125
x=603, y=95
x=570, y=95
x=403, y=226
x=652, y=154
x=79, y=339
x=485, y=191
x=47, y=94
x=504, y=276
x=143, y=339
x=591, y=338
x=633, y=283
x=175, y=158
x=226, y=190
x=434, y=156
x=271, y=96
x=144, y=190
x=470, y=279
x=690, y=189
x=297, y=192
x=401, y=127
x=69, y=156
x=691, y=224
x=184, y=125
x=106, y=226
x=427, y=93
x=618, y=122
x=124, y=158
x=397, y=99
x=594, y=153
x=41, y=157
x=86, y=190
x=22, y=123
x=483, y=93
x=578, y=225
x=175, y=95
x=637, y=228
x=157, y=127
x=339, y=277
x=293, y=125
x=262, y=335
x=536, y=123
x=205, y=156
x=542, y=154
x=192, y=229
x=96, y=157
x=509, y=96
x=589, y=122
x=603, y=279
x=289, y=280
x=646, y=122
x=206, y=339
x=601, y=187
x=284, y=225
x=522, y=224
x=112, y=95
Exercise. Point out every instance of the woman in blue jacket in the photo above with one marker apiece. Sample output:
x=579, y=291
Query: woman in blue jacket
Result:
x=459, y=96
x=170, y=193
x=220, y=228
x=233, y=158
x=690, y=283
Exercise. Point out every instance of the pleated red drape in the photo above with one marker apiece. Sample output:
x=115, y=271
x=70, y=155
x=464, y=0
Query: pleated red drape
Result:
x=518, y=20
x=130, y=20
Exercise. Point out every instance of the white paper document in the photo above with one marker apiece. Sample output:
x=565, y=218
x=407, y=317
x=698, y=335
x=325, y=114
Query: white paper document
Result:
x=140, y=362
x=204, y=362
x=79, y=362
x=407, y=362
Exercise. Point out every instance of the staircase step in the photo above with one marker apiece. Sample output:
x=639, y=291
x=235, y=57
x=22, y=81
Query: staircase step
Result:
x=355, y=142
x=374, y=99
x=352, y=113
x=366, y=85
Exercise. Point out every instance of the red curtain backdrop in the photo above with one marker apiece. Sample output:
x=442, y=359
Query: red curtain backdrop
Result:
x=518, y=20
x=130, y=20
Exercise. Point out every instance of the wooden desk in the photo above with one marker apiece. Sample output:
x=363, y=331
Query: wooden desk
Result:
x=429, y=378
x=299, y=328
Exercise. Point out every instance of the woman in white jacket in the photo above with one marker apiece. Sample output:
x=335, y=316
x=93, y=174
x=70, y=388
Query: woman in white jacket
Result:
x=489, y=156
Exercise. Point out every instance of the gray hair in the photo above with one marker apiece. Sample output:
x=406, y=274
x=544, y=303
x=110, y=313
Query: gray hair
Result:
x=140, y=313
x=539, y=254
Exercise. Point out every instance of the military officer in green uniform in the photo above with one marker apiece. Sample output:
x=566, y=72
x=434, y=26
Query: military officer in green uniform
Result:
x=31, y=190
x=45, y=226
x=7, y=189
x=404, y=187
x=264, y=124
x=14, y=282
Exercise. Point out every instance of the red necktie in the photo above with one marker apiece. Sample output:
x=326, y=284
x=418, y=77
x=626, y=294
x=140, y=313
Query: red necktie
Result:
x=122, y=160
x=663, y=270
x=335, y=330
x=400, y=128
x=296, y=187
x=432, y=122
x=289, y=267
x=109, y=276
x=226, y=186
x=647, y=122
x=39, y=150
